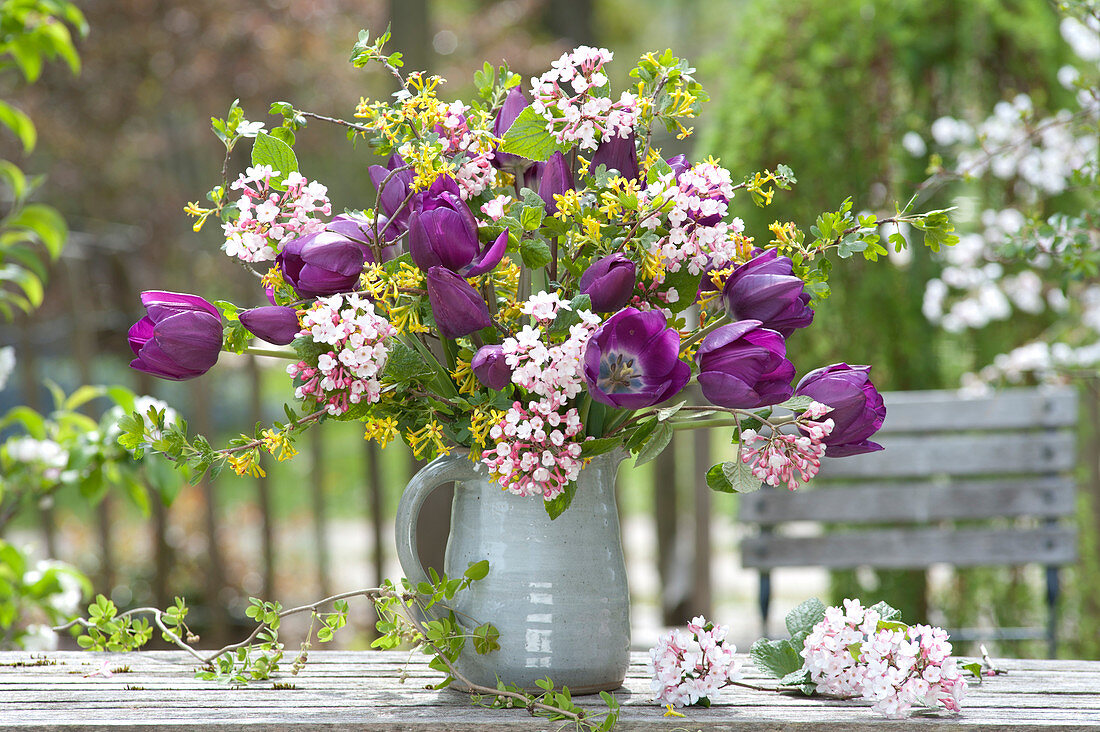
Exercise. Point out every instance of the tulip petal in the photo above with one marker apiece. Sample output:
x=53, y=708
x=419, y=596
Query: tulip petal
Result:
x=489, y=257
x=140, y=332
x=161, y=304
x=192, y=340
x=458, y=308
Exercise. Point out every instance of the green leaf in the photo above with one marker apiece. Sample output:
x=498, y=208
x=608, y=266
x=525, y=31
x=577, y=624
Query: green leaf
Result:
x=686, y=286
x=666, y=412
x=268, y=150
x=528, y=138
x=886, y=612
x=658, y=168
x=19, y=123
x=404, y=363
x=531, y=217
x=535, y=253
x=32, y=421
x=796, y=678
x=732, y=477
x=44, y=221
x=599, y=446
x=82, y=396
x=486, y=638
x=775, y=657
x=974, y=668
x=801, y=620
x=658, y=441
x=797, y=403
x=567, y=318
x=556, y=506
x=477, y=570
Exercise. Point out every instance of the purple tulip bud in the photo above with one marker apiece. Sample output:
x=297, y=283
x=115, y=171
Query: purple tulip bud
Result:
x=444, y=234
x=514, y=103
x=323, y=263
x=180, y=337
x=360, y=229
x=458, y=308
x=393, y=193
x=609, y=282
x=858, y=409
x=744, y=366
x=555, y=178
x=619, y=153
x=276, y=324
x=491, y=368
x=633, y=360
x=765, y=289
x=678, y=163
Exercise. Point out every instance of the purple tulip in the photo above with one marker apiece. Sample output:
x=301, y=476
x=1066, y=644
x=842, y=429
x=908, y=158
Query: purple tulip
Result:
x=618, y=153
x=633, y=360
x=678, y=163
x=360, y=229
x=858, y=409
x=743, y=366
x=276, y=324
x=609, y=282
x=765, y=289
x=514, y=103
x=444, y=234
x=458, y=308
x=394, y=193
x=323, y=263
x=490, y=367
x=180, y=337
x=555, y=178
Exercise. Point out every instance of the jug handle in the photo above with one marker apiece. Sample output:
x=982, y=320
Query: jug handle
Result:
x=444, y=469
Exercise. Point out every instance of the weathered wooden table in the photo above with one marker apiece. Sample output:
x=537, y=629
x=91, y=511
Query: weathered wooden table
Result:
x=157, y=691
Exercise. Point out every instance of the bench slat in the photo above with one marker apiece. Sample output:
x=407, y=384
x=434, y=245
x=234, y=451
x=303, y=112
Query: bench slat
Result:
x=940, y=411
x=918, y=502
x=912, y=548
x=921, y=456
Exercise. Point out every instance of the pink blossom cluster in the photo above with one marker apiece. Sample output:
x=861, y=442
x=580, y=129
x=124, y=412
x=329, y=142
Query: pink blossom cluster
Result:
x=689, y=665
x=698, y=235
x=269, y=218
x=850, y=653
x=537, y=452
x=540, y=444
x=474, y=172
x=347, y=373
x=786, y=459
x=553, y=371
x=569, y=96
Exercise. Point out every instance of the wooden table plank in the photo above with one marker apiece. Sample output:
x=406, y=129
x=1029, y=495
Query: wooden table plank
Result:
x=342, y=690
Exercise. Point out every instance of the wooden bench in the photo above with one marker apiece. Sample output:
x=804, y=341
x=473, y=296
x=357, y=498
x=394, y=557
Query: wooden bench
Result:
x=975, y=482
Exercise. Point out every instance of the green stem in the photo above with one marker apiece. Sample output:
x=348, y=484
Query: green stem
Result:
x=714, y=324
x=700, y=423
x=273, y=352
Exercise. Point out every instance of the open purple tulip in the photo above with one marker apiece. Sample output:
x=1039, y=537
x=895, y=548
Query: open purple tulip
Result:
x=323, y=263
x=633, y=360
x=514, y=103
x=555, y=178
x=619, y=153
x=858, y=409
x=491, y=368
x=743, y=366
x=180, y=337
x=609, y=282
x=393, y=193
x=444, y=234
x=765, y=289
x=458, y=308
x=276, y=324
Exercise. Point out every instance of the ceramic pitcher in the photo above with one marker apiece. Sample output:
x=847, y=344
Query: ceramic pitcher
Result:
x=556, y=590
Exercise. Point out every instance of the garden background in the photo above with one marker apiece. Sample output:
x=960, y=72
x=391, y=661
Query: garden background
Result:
x=848, y=93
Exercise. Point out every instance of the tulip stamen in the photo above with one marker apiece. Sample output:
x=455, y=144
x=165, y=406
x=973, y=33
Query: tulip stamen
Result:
x=618, y=374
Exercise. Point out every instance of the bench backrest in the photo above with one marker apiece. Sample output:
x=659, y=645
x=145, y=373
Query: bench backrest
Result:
x=1005, y=458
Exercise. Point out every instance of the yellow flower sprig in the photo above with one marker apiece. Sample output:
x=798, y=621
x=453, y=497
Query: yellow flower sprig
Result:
x=382, y=430
x=246, y=462
x=428, y=438
x=278, y=444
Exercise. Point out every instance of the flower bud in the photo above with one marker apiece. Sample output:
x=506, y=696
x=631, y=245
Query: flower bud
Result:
x=619, y=153
x=858, y=409
x=555, y=178
x=393, y=193
x=743, y=366
x=490, y=367
x=180, y=337
x=458, y=308
x=609, y=282
x=765, y=289
x=276, y=324
x=444, y=233
x=323, y=263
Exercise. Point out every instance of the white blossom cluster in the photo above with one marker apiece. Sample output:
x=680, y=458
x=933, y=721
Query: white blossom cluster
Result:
x=692, y=664
x=269, y=218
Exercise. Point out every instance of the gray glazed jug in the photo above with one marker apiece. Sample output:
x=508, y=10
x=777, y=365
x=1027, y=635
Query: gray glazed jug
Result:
x=556, y=590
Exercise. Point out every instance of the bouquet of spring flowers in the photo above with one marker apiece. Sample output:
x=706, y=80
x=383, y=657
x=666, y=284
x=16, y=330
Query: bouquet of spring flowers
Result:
x=531, y=280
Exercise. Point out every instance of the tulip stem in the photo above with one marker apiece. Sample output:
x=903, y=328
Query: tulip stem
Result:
x=711, y=326
x=273, y=352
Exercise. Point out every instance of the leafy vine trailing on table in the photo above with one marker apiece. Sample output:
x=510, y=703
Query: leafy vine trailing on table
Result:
x=410, y=614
